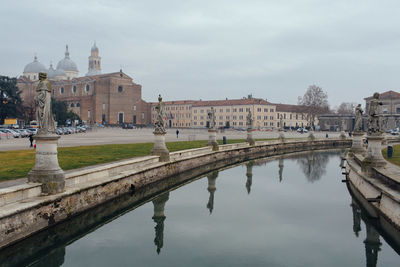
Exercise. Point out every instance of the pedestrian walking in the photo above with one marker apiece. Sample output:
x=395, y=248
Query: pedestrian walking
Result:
x=31, y=139
x=177, y=133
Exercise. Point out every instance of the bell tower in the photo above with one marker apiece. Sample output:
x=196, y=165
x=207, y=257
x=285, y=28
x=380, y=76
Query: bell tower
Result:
x=94, y=61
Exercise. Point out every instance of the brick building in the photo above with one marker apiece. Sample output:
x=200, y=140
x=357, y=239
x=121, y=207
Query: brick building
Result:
x=111, y=98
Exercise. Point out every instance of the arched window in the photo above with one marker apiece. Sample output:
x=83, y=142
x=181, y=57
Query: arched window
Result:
x=72, y=105
x=87, y=87
x=120, y=88
x=62, y=90
x=74, y=89
x=78, y=105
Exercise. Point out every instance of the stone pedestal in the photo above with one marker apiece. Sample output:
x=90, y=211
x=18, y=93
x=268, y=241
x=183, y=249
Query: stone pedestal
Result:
x=311, y=136
x=47, y=171
x=281, y=137
x=212, y=139
x=160, y=148
x=342, y=135
x=250, y=139
x=357, y=146
x=373, y=157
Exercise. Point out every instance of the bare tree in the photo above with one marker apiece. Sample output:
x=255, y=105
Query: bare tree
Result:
x=346, y=108
x=315, y=101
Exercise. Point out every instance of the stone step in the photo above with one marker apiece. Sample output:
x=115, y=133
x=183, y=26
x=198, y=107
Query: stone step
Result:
x=18, y=193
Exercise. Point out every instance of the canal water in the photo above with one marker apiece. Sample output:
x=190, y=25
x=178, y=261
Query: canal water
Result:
x=287, y=211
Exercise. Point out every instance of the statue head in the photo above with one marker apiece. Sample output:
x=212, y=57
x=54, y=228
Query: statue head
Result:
x=42, y=76
x=359, y=105
x=159, y=98
x=376, y=95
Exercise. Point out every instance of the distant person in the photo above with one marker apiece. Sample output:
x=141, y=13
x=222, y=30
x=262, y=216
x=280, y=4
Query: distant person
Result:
x=177, y=133
x=31, y=139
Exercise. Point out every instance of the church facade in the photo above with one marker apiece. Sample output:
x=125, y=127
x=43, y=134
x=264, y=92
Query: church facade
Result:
x=111, y=98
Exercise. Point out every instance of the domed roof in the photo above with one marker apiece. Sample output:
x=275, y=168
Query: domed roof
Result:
x=51, y=72
x=67, y=64
x=94, y=47
x=35, y=67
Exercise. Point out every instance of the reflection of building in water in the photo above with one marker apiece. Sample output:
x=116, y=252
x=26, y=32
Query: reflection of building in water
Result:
x=280, y=168
x=356, y=217
x=158, y=218
x=249, y=175
x=314, y=165
x=372, y=245
x=211, y=188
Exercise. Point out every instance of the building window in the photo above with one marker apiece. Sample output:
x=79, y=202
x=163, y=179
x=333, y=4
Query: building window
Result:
x=134, y=107
x=62, y=90
x=228, y=110
x=201, y=123
x=104, y=106
x=87, y=87
x=290, y=116
x=227, y=117
x=265, y=110
x=271, y=124
x=259, y=109
x=120, y=88
x=297, y=116
x=195, y=111
x=272, y=110
x=258, y=117
x=284, y=115
x=72, y=105
x=271, y=117
x=195, y=117
x=78, y=105
x=221, y=117
x=74, y=89
x=241, y=117
x=142, y=115
x=234, y=110
x=240, y=109
x=221, y=110
x=234, y=117
x=240, y=123
x=201, y=110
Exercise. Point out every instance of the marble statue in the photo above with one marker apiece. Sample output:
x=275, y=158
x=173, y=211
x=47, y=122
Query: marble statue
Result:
x=358, y=115
x=374, y=126
x=281, y=122
x=211, y=118
x=160, y=123
x=47, y=124
x=249, y=120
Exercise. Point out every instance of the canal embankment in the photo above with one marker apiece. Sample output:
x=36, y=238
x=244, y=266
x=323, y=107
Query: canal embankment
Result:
x=25, y=211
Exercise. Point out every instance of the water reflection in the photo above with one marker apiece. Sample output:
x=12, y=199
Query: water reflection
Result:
x=314, y=165
x=249, y=175
x=280, y=168
x=211, y=188
x=49, y=247
x=159, y=218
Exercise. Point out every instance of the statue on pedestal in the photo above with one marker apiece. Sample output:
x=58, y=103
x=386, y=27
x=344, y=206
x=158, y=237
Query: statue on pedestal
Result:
x=374, y=127
x=281, y=123
x=160, y=123
x=211, y=119
x=47, y=124
x=249, y=120
x=358, y=121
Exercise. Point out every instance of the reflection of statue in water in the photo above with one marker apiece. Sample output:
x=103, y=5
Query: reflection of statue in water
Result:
x=358, y=115
x=280, y=168
x=44, y=116
x=249, y=120
x=159, y=218
x=211, y=118
x=372, y=245
x=249, y=175
x=160, y=123
x=211, y=188
x=356, y=217
x=374, y=127
x=314, y=165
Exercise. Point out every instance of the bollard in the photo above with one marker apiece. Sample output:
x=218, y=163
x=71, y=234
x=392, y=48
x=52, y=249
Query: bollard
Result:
x=389, y=151
x=224, y=140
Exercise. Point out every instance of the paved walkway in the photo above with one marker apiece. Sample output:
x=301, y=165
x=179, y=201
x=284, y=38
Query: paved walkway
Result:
x=121, y=136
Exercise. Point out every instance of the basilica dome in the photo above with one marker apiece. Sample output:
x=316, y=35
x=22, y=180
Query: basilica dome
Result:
x=35, y=67
x=66, y=63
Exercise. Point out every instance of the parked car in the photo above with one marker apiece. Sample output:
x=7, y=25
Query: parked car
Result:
x=32, y=130
x=23, y=132
x=5, y=134
x=395, y=133
x=15, y=134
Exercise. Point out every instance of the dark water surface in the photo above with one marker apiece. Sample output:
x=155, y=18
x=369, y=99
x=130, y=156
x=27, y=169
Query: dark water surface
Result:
x=292, y=211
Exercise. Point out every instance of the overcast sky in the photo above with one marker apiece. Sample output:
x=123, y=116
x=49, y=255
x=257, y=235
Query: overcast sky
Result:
x=216, y=49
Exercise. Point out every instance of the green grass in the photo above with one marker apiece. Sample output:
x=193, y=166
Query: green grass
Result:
x=396, y=155
x=17, y=163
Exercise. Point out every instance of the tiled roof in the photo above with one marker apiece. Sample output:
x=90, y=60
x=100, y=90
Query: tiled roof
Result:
x=290, y=108
x=230, y=102
x=386, y=95
x=176, y=102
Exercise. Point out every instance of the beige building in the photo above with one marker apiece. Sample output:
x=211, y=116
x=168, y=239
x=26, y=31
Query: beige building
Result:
x=178, y=113
x=293, y=116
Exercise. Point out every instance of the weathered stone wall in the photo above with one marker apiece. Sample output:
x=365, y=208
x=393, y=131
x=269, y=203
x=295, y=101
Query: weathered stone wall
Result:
x=22, y=219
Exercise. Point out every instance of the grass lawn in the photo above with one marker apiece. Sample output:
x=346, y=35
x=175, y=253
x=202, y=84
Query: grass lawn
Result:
x=396, y=155
x=17, y=163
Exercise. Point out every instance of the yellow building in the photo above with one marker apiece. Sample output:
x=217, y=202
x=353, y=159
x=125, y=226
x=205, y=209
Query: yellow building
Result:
x=178, y=113
x=293, y=116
